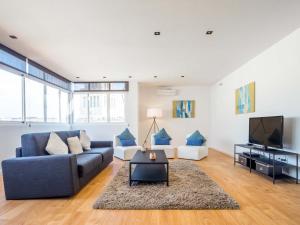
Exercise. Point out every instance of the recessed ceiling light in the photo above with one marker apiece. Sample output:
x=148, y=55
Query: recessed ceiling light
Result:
x=77, y=77
x=13, y=37
x=157, y=33
x=155, y=76
x=209, y=32
x=182, y=76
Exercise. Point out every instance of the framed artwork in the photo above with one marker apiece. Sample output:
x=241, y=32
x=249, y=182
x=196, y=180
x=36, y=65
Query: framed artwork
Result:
x=245, y=99
x=184, y=109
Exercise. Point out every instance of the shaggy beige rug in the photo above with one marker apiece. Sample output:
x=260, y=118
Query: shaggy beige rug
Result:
x=189, y=188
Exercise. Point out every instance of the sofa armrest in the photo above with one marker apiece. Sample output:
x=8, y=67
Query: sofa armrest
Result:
x=19, y=152
x=100, y=144
x=40, y=176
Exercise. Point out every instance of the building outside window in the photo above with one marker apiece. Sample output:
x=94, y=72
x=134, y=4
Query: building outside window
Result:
x=102, y=107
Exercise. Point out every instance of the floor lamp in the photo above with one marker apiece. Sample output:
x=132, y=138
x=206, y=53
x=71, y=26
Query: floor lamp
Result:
x=153, y=113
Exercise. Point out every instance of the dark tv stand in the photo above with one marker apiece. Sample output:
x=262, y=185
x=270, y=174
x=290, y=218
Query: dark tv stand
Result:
x=255, y=159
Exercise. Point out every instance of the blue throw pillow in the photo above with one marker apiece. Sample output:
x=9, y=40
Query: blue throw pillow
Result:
x=196, y=139
x=128, y=142
x=162, y=138
x=126, y=135
x=162, y=134
x=162, y=141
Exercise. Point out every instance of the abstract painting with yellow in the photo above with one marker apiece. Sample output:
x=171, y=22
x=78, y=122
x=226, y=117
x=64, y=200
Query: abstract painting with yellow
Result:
x=245, y=99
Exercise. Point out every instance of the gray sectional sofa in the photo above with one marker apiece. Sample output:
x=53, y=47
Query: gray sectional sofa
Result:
x=36, y=174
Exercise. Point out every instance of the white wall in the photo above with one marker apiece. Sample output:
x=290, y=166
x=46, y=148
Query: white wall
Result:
x=276, y=73
x=177, y=128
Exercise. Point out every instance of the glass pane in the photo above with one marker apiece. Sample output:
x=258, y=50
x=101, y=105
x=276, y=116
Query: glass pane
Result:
x=52, y=104
x=117, y=107
x=12, y=60
x=34, y=94
x=99, y=86
x=36, y=72
x=80, y=102
x=10, y=96
x=64, y=107
x=118, y=86
x=98, y=107
x=81, y=86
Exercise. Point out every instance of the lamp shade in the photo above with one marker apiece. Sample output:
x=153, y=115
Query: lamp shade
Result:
x=154, y=112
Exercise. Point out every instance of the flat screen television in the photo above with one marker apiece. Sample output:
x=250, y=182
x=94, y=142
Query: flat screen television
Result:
x=266, y=131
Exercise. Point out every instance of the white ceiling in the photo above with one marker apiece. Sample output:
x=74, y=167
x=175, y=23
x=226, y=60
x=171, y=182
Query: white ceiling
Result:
x=114, y=38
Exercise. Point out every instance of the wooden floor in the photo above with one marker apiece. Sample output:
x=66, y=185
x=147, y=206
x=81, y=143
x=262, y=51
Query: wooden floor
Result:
x=261, y=202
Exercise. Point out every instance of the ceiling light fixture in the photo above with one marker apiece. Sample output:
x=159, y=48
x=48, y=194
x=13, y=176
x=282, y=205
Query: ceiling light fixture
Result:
x=104, y=77
x=13, y=37
x=130, y=77
x=182, y=76
x=209, y=32
x=77, y=77
x=155, y=76
x=157, y=33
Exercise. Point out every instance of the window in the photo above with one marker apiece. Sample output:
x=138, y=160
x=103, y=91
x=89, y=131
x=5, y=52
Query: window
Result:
x=117, y=107
x=99, y=86
x=64, y=107
x=52, y=98
x=98, y=107
x=118, y=86
x=80, y=102
x=12, y=59
x=38, y=103
x=81, y=86
x=10, y=96
x=34, y=94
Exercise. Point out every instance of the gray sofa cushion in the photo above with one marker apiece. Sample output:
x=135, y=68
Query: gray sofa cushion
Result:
x=87, y=163
x=34, y=144
x=106, y=152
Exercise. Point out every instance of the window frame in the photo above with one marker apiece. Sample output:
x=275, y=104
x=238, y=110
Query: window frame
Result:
x=108, y=107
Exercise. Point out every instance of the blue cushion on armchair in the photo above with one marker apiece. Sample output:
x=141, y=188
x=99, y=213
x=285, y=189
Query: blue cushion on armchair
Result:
x=162, y=138
x=162, y=141
x=196, y=139
x=126, y=135
x=128, y=142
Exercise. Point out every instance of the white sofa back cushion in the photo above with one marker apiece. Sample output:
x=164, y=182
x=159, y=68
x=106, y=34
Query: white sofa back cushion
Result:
x=116, y=141
x=74, y=145
x=55, y=145
x=85, y=140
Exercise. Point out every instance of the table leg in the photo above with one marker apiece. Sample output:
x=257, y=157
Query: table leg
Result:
x=129, y=174
x=234, y=149
x=273, y=169
x=250, y=160
x=167, y=174
x=297, y=168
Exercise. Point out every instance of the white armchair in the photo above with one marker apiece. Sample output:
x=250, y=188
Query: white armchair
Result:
x=169, y=149
x=124, y=152
x=192, y=152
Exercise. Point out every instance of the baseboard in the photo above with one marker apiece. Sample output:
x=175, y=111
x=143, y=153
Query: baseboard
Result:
x=221, y=151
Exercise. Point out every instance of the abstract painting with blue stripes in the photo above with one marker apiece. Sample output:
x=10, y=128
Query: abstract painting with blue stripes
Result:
x=184, y=109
